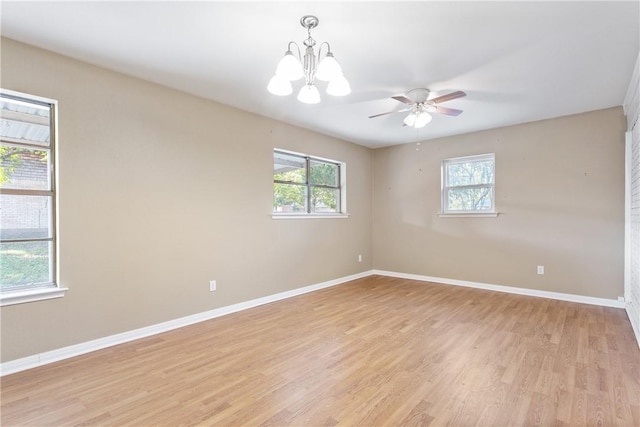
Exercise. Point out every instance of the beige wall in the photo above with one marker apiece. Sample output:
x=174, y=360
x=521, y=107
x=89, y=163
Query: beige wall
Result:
x=559, y=191
x=162, y=191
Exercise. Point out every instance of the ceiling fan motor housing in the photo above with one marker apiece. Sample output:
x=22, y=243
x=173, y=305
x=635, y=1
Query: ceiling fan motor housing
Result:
x=418, y=95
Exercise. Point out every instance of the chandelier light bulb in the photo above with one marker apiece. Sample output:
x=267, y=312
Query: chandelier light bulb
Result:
x=279, y=86
x=339, y=87
x=289, y=67
x=329, y=69
x=309, y=94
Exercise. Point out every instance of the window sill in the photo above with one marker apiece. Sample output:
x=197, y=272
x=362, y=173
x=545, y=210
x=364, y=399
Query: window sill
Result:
x=30, y=295
x=309, y=216
x=469, y=215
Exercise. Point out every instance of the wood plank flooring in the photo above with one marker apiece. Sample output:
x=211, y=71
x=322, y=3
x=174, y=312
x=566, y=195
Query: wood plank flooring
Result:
x=375, y=351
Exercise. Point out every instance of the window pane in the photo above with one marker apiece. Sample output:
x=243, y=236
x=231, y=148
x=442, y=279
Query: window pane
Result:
x=25, y=263
x=27, y=205
x=290, y=168
x=325, y=200
x=323, y=174
x=25, y=217
x=470, y=173
x=24, y=168
x=26, y=122
x=470, y=199
x=289, y=198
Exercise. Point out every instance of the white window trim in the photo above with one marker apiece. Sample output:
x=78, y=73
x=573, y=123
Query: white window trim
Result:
x=308, y=216
x=475, y=214
x=50, y=290
x=30, y=295
x=343, y=192
x=444, y=213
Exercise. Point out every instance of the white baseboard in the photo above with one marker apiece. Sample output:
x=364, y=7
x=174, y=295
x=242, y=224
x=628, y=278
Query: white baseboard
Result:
x=508, y=289
x=40, y=359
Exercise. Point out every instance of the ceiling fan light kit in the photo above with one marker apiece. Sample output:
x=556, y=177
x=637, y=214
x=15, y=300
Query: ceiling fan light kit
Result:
x=292, y=68
x=417, y=119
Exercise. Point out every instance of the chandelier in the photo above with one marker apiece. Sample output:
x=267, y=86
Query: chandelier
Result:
x=311, y=67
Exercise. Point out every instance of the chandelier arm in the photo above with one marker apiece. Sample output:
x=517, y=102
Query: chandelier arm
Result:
x=297, y=47
x=320, y=50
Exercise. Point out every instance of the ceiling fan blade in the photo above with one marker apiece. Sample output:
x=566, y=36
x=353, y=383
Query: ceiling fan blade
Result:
x=444, y=110
x=381, y=114
x=448, y=97
x=390, y=112
x=403, y=99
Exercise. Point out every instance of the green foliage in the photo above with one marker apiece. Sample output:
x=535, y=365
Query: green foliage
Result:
x=11, y=158
x=289, y=195
x=294, y=196
x=23, y=263
x=324, y=199
x=470, y=173
x=474, y=199
x=323, y=174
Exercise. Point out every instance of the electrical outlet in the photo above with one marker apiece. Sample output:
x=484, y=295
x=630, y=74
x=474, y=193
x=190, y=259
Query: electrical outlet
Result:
x=212, y=285
x=359, y=258
x=541, y=269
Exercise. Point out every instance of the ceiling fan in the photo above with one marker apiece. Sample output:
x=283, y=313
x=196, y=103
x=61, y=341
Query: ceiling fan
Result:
x=420, y=106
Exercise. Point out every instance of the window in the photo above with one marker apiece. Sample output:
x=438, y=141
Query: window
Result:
x=27, y=198
x=305, y=185
x=468, y=185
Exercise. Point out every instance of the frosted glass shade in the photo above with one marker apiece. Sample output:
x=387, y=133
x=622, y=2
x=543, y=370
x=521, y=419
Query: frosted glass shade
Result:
x=339, y=87
x=279, y=86
x=309, y=94
x=289, y=67
x=422, y=120
x=328, y=69
x=417, y=120
x=410, y=120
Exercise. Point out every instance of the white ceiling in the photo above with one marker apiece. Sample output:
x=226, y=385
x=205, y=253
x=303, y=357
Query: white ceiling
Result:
x=517, y=61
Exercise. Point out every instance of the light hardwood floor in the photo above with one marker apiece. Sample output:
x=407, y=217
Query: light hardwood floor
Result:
x=375, y=351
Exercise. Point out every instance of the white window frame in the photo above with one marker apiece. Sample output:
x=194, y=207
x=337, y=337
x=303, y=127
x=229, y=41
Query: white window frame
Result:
x=51, y=289
x=445, y=187
x=342, y=173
